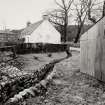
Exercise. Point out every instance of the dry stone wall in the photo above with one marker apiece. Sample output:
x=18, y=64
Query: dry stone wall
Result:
x=13, y=86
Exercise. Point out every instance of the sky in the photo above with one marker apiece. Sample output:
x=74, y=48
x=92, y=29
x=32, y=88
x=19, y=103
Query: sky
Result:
x=14, y=14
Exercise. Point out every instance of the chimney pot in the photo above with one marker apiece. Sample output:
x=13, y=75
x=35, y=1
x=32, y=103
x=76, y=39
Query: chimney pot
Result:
x=28, y=24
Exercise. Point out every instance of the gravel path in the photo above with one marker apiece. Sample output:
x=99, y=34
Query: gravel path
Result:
x=71, y=87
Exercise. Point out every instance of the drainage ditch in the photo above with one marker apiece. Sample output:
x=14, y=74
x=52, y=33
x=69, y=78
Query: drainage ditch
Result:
x=20, y=88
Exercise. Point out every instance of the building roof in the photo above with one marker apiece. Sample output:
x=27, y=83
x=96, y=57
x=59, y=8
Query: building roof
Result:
x=28, y=30
x=17, y=31
x=6, y=32
x=94, y=24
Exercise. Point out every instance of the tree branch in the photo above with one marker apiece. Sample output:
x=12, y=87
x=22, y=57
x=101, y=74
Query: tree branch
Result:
x=69, y=4
x=63, y=2
x=59, y=17
x=59, y=4
x=56, y=23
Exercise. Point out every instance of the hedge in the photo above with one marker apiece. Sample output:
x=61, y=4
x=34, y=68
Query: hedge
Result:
x=39, y=47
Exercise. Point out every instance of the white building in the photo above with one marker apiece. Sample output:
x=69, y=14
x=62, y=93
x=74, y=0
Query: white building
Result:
x=92, y=45
x=41, y=32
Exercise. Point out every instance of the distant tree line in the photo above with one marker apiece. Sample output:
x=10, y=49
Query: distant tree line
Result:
x=72, y=32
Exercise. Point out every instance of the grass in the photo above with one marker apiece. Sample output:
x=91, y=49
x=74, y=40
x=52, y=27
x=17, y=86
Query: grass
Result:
x=71, y=87
x=27, y=63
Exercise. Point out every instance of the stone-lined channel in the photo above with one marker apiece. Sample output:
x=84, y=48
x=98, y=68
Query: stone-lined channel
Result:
x=11, y=92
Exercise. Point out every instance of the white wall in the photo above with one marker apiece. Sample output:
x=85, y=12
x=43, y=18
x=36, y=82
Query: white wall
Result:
x=45, y=33
x=88, y=50
x=93, y=51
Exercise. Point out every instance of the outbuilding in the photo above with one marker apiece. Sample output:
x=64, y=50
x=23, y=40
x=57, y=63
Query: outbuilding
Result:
x=92, y=45
x=41, y=32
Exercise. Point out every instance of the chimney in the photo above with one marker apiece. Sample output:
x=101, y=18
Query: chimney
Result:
x=28, y=24
x=45, y=17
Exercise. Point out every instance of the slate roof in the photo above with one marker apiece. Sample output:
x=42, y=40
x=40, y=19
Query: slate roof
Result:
x=6, y=32
x=17, y=31
x=28, y=30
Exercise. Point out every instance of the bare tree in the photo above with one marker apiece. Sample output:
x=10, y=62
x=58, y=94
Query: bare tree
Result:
x=57, y=18
x=83, y=11
x=89, y=10
x=60, y=16
x=80, y=17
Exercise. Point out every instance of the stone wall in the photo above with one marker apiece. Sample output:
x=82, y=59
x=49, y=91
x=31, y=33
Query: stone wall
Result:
x=9, y=88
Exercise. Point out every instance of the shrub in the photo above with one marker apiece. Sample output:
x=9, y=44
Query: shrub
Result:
x=39, y=47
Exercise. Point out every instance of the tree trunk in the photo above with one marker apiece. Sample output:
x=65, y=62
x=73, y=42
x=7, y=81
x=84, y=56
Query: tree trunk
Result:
x=103, y=12
x=65, y=27
x=78, y=34
x=68, y=52
x=65, y=32
x=90, y=17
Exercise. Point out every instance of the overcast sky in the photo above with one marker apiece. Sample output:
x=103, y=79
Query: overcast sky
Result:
x=15, y=13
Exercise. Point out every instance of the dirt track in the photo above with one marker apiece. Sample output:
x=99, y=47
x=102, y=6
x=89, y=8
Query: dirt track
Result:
x=71, y=87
